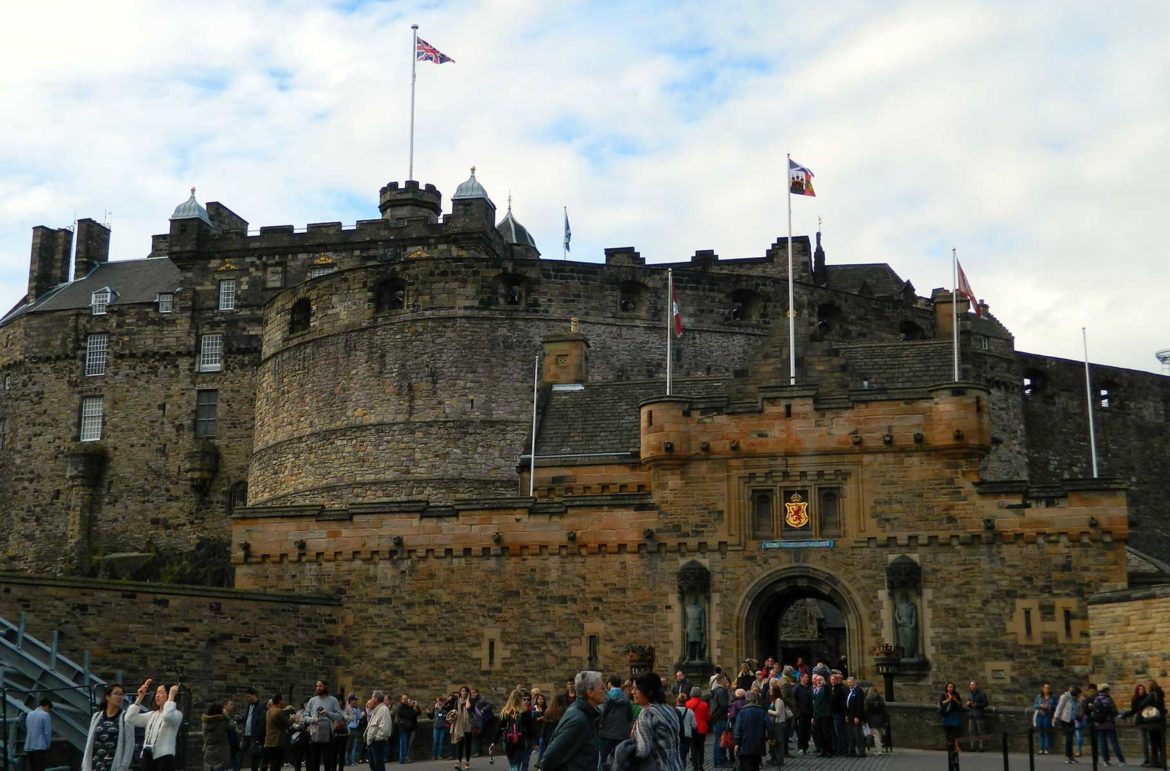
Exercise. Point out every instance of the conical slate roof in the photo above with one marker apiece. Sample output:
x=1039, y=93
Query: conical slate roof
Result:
x=191, y=210
x=513, y=232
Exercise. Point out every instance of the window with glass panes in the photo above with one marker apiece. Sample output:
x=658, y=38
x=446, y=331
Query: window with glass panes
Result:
x=210, y=353
x=93, y=409
x=206, y=409
x=166, y=302
x=97, y=349
x=227, y=294
x=98, y=302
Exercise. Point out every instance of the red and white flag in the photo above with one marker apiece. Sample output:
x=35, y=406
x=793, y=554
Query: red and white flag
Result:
x=965, y=289
x=678, y=330
x=800, y=179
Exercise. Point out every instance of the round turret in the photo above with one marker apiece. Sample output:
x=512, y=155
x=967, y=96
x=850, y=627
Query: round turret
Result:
x=410, y=201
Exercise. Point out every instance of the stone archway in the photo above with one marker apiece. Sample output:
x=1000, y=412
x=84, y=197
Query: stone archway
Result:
x=780, y=599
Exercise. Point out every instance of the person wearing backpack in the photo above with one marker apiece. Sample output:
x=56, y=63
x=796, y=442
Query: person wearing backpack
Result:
x=1104, y=717
x=515, y=731
x=689, y=725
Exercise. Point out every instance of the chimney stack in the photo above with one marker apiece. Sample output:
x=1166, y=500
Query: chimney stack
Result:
x=93, y=247
x=49, y=265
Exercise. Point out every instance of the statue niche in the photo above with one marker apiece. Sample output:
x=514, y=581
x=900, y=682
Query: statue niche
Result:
x=694, y=591
x=904, y=582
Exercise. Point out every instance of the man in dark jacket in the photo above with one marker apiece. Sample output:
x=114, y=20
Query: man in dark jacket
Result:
x=822, y=717
x=252, y=745
x=837, y=687
x=616, y=717
x=720, y=701
x=751, y=733
x=855, y=718
x=573, y=744
x=802, y=710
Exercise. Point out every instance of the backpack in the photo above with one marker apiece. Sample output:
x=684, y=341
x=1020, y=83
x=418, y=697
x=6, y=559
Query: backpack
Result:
x=1101, y=711
x=513, y=737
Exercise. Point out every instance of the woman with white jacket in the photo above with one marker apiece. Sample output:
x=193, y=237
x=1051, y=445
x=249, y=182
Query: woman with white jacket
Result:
x=109, y=746
x=162, y=727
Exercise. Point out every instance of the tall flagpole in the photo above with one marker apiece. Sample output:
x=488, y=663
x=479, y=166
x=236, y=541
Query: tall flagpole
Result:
x=669, y=323
x=1089, y=399
x=413, y=68
x=532, y=459
x=955, y=307
x=791, y=309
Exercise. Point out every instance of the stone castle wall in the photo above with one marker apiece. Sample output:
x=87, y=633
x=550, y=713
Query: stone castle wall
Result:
x=1130, y=634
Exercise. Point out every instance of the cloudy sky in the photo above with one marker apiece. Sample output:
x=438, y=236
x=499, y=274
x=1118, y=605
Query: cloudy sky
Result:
x=1033, y=137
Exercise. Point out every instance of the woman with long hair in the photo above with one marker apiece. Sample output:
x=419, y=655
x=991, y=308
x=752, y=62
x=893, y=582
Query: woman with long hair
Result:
x=1156, y=724
x=539, y=708
x=459, y=719
x=109, y=745
x=217, y=754
x=951, y=711
x=552, y=716
x=656, y=731
x=1044, y=705
x=1137, y=703
x=515, y=731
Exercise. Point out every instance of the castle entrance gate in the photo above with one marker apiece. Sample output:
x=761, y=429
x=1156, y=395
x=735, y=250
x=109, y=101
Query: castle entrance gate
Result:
x=803, y=612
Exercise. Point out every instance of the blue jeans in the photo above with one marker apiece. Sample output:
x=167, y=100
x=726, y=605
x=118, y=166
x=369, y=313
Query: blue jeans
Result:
x=525, y=757
x=404, y=745
x=718, y=754
x=1044, y=728
x=1104, y=736
x=438, y=739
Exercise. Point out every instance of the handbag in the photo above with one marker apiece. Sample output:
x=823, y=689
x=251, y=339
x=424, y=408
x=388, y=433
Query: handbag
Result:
x=1151, y=713
x=726, y=740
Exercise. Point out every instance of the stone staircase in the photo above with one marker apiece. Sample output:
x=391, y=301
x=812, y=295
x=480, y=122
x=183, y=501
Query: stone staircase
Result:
x=31, y=670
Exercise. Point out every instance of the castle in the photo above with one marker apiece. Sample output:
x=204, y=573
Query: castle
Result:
x=348, y=411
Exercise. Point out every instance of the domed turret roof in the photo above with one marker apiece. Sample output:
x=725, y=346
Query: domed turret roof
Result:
x=191, y=210
x=470, y=189
x=512, y=231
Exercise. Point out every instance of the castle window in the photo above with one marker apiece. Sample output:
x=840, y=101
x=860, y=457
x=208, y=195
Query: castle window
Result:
x=93, y=409
x=1033, y=382
x=390, y=295
x=632, y=294
x=206, y=409
x=510, y=289
x=98, y=301
x=829, y=499
x=746, y=305
x=1107, y=396
x=274, y=277
x=3, y=432
x=911, y=331
x=983, y=343
x=320, y=270
x=762, y=514
x=238, y=496
x=210, y=353
x=97, y=348
x=300, y=316
x=827, y=314
x=227, y=294
x=166, y=302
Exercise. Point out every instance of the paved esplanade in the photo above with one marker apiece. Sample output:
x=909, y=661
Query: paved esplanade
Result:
x=900, y=760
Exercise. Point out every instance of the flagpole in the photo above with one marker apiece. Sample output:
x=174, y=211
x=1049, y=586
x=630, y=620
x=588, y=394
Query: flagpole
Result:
x=955, y=307
x=532, y=459
x=669, y=323
x=1089, y=399
x=413, y=68
x=791, y=309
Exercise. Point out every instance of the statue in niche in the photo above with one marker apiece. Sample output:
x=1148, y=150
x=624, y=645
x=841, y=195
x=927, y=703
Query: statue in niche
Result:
x=906, y=620
x=696, y=629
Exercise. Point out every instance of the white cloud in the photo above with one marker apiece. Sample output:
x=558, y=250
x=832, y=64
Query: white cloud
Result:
x=1031, y=137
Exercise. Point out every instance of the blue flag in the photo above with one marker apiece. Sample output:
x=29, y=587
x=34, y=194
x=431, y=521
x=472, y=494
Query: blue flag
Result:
x=568, y=232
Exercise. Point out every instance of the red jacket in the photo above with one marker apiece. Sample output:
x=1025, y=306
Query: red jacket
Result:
x=702, y=714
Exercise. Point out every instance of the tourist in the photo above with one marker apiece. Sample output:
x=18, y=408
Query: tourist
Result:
x=837, y=692
x=751, y=733
x=951, y=712
x=1064, y=717
x=681, y=684
x=341, y=730
x=715, y=675
x=539, y=707
x=779, y=716
x=38, y=735
x=233, y=731
x=1044, y=705
x=1155, y=721
x=216, y=747
x=276, y=724
x=549, y=720
x=440, y=728
x=976, y=727
x=1139, y=701
x=378, y=729
x=635, y=709
x=109, y=745
x=298, y=738
x=822, y=716
x=745, y=678
x=855, y=718
x=655, y=738
x=802, y=711
x=355, y=746
x=252, y=745
x=407, y=721
x=161, y=724
x=878, y=718
x=688, y=726
x=461, y=726
x=320, y=713
x=1104, y=717
x=720, y=703
x=616, y=718
x=573, y=745
x=1087, y=697
x=515, y=730
x=702, y=725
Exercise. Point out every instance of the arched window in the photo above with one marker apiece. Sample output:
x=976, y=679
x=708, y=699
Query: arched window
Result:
x=762, y=514
x=390, y=295
x=911, y=331
x=237, y=496
x=300, y=316
x=633, y=297
x=830, y=511
x=510, y=289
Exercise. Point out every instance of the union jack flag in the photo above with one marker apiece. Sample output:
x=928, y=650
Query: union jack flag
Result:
x=425, y=52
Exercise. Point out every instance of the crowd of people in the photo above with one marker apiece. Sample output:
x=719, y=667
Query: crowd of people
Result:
x=756, y=717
